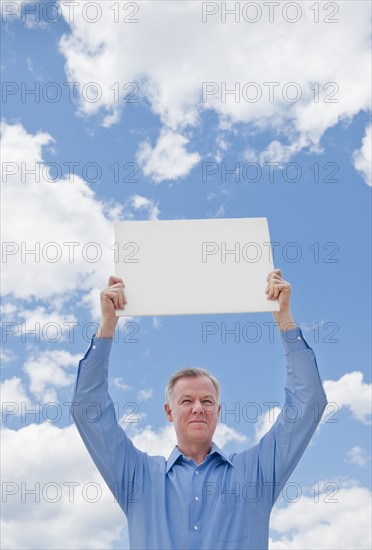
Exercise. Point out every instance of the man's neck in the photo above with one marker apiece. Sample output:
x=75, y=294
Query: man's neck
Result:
x=195, y=452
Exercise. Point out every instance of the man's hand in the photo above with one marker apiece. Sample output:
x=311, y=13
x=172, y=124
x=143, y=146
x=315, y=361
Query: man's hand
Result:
x=112, y=297
x=278, y=288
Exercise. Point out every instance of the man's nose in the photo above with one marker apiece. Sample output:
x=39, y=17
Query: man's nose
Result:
x=197, y=407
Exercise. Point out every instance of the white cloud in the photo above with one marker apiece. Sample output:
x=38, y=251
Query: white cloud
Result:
x=156, y=323
x=224, y=434
x=357, y=455
x=266, y=422
x=250, y=155
x=144, y=395
x=6, y=355
x=155, y=442
x=12, y=10
x=40, y=324
x=59, y=213
x=169, y=159
x=324, y=524
x=119, y=383
x=304, y=524
x=90, y=525
x=50, y=455
x=92, y=300
x=362, y=157
x=14, y=393
x=330, y=72
x=138, y=202
x=47, y=372
x=350, y=391
x=279, y=153
x=8, y=309
x=222, y=146
x=70, y=230
x=37, y=73
x=161, y=441
x=219, y=212
x=130, y=419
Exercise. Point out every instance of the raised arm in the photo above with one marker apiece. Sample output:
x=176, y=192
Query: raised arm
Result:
x=113, y=297
x=279, y=289
x=115, y=456
x=282, y=446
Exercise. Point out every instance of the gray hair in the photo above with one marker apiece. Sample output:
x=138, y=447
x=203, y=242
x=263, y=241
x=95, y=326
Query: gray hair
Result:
x=189, y=372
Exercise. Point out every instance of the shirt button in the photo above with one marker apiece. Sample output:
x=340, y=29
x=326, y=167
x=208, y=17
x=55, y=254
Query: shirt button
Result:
x=196, y=498
x=298, y=337
x=196, y=527
x=94, y=347
x=197, y=473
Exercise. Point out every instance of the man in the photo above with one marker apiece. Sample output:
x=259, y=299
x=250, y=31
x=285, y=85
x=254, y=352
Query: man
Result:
x=199, y=498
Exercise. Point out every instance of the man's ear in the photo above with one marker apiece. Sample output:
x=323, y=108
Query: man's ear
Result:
x=168, y=412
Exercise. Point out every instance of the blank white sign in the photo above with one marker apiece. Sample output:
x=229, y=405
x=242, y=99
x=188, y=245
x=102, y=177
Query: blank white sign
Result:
x=183, y=267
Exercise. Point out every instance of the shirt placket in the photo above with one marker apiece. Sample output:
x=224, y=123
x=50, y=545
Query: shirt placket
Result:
x=196, y=516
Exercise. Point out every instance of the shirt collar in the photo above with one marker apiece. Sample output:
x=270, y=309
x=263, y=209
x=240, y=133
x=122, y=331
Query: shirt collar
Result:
x=176, y=454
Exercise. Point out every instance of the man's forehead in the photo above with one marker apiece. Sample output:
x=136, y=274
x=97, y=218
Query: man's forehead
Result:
x=190, y=384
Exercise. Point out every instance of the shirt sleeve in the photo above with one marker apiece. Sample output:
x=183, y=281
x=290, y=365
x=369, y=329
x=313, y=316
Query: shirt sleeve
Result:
x=281, y=448
x=94, y=414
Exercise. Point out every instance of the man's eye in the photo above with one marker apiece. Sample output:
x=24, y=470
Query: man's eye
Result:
x=208, y=402
x=186, y=401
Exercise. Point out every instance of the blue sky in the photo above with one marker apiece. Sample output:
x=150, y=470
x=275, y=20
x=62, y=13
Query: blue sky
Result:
x=168, y=136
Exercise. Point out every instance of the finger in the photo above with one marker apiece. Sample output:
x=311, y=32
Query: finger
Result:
x=275, y=271
x=276, y=289
x=275, y=276
x=274, y=279
x=119, y=287
x=113, y=280
x=116, y=285
x=270, y=294
x=115, y=295
x=121, y=297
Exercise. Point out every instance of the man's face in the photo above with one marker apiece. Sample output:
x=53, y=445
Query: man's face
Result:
x=194, y=410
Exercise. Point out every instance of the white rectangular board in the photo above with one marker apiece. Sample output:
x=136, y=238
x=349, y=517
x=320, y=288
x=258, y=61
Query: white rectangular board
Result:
x=185, y=267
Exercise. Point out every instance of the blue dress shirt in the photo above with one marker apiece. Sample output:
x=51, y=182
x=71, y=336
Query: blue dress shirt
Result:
x=226, y=501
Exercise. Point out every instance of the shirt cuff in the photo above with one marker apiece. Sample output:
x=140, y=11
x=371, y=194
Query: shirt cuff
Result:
x=293, y=340
x=99, y=349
